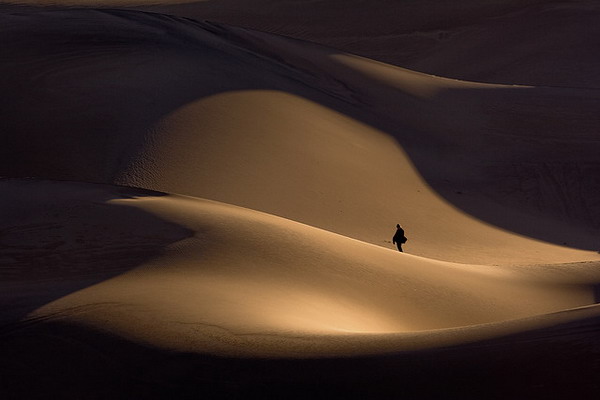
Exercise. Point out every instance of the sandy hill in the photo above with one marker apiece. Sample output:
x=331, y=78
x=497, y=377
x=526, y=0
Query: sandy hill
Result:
x=84, y=264
x=533, y=42
x=302, y=132
x=530, y=42
x=254, y=257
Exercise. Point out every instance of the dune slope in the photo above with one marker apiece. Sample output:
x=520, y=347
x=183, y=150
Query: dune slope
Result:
x=533, y=42
x=216, y=112
x=213, y=280
x=302, y=280
x=528, y=42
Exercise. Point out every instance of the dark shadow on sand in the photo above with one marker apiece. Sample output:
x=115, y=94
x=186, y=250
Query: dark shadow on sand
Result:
x=66, y=361
x=60, y=237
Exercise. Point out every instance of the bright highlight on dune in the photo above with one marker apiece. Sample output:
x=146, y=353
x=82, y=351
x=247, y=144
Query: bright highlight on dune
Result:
x=198, y=200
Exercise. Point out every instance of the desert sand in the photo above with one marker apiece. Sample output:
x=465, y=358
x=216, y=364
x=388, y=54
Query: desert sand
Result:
x=198, y=200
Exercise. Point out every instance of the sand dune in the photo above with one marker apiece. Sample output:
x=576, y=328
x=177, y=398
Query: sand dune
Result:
x=529, y=42
x=175, y=123
x=534, y=42
x=300, y=279
x=246, y=252
x=200, y=276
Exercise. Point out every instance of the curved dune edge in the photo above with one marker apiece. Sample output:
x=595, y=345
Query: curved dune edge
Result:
x=230, y=281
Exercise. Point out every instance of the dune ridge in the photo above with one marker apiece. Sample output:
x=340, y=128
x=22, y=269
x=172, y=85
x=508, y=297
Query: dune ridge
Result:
x=534, y=42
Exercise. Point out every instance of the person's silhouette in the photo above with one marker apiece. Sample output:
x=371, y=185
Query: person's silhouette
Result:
x=399, y=238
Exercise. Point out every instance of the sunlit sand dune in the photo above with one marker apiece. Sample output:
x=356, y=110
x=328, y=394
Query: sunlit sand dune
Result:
x=247, y=251
x=191, y=275
x=299, y=278
x=300, y=132
x=277, y=164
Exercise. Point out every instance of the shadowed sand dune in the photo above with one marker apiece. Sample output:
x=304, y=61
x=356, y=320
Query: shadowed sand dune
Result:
x=529, y=42
x=532, y=42
x=277, y=278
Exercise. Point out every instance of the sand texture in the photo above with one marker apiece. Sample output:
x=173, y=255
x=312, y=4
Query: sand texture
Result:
x=198, y=199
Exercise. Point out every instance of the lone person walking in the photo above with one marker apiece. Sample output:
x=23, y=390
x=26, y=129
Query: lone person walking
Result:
x=399, y=238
